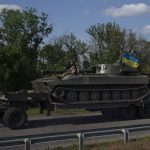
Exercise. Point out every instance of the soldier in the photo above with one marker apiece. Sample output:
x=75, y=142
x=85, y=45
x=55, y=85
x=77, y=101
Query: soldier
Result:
x=72, y=70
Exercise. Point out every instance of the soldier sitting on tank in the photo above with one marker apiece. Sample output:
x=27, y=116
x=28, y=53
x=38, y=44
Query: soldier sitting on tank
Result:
x=72, y=70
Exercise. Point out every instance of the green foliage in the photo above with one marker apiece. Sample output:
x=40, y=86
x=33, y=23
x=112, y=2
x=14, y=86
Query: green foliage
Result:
x=14, y=69
x=22, y=53
x=52, y=57
x=144, y=56
x=57, y=54
x=21, y=34
x=107, y=42
x=131, y=41
x=74, y=48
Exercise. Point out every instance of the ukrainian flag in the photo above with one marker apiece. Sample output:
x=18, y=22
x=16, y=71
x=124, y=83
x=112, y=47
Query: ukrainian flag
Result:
x=130, y=60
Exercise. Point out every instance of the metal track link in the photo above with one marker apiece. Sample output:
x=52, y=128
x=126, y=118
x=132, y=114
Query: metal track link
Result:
x=145, y=89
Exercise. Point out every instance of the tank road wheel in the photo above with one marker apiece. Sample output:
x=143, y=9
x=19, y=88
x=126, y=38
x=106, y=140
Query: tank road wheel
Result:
x=95, y=96
x=59, y=92
x=129, y=112
x=14, y=118
x=106, y=95
x=144, y=112
x=72, y=96
x=83, y=96
x=116, y=95
x=126, y=95
x=135, y=94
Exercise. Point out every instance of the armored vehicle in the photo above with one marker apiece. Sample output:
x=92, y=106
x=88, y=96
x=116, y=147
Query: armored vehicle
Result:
x=111, y=88
x=105, y=83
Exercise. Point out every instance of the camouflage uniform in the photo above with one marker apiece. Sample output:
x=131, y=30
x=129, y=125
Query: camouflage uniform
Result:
x=73, y=70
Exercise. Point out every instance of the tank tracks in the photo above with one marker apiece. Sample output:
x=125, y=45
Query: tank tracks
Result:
x=70, y=95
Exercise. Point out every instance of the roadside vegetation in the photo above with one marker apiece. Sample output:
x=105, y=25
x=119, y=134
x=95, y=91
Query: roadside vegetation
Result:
x=24, y=50
x=135, y=144
x=36, y=112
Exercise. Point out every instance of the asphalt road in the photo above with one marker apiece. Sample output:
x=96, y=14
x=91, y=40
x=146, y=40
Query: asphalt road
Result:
x=53, y=125
x=72, y=123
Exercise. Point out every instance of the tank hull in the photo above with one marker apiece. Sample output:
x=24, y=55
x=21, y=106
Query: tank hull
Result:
x=100, y=80
x=95, y=88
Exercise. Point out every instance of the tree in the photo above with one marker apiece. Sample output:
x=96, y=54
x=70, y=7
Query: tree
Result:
x=108, y=40
x=52, y=56
x=131, y=41
x=144, y=56
x=141, y=49
x=75, y=48
x=57, y=54
x=22, y=33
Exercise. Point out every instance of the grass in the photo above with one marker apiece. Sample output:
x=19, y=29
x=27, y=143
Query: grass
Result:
x=136, y=144
x=35, y=112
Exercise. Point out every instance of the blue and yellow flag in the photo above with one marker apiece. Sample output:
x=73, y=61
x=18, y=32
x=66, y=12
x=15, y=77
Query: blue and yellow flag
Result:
x=130, y=60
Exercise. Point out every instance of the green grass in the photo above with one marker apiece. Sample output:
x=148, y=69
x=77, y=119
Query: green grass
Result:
x=35, y=112
x=135, y=144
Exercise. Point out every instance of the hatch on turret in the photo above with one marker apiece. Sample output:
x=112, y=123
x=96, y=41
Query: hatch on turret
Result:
x=108, y=69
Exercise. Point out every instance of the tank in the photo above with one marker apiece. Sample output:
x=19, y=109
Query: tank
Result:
x=104, y=83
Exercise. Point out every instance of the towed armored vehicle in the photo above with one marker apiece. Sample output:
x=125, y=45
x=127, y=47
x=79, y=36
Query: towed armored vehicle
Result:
x=107, y=82
x=113, y=89
x=107, y=87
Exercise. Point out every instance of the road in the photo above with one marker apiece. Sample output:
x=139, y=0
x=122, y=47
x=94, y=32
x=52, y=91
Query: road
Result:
x=60, y=124
x=53, y=125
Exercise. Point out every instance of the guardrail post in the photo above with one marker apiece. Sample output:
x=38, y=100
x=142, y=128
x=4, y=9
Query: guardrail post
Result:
x=27, y=144
x=126, y=135
x=81, y=141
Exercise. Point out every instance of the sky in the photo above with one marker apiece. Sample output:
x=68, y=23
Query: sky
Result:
x=77, y=15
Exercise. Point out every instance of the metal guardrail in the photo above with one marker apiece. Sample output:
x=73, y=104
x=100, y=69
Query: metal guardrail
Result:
x=80, y=136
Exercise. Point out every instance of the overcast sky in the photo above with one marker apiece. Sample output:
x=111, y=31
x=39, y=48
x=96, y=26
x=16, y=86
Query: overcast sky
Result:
x=77, y=15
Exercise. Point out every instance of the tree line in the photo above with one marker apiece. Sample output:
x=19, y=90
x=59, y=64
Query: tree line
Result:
x=23, y=52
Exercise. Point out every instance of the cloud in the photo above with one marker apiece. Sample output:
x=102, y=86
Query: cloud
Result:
x=146, y=29
x=6, y=6
x=128, y=10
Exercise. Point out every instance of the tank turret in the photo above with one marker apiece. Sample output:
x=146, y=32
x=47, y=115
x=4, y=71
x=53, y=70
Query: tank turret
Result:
x=115, y=69
x=108, y=69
